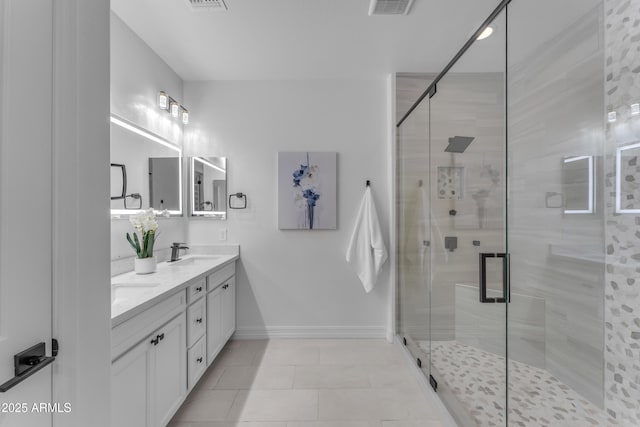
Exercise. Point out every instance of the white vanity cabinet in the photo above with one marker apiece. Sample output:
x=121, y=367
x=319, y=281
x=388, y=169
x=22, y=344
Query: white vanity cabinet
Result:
x=221, y=310
x=148, y=381
x=161, y=348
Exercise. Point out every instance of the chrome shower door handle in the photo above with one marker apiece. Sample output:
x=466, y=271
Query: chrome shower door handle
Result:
x=483, y=277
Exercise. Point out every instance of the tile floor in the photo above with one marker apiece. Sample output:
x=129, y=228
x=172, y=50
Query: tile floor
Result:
x=308, y=383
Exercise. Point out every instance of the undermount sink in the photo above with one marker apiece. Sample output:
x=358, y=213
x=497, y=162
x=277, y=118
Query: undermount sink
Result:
x=194, y=259
x=121, y=291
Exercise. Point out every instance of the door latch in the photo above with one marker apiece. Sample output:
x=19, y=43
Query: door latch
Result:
x=28, y=362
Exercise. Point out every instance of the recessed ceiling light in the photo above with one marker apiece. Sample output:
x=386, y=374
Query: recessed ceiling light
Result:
x=486, y=33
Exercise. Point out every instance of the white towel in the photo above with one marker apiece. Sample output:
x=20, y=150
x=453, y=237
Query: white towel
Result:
x=367, y=253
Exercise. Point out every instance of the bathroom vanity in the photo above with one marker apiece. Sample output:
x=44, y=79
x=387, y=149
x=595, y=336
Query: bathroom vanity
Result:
x=167, y=328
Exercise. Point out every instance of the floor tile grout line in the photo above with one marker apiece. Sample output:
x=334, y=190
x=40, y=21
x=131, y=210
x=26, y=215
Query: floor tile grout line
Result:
x=233, y=402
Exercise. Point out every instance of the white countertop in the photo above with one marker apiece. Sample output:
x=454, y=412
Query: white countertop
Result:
x=133, y=293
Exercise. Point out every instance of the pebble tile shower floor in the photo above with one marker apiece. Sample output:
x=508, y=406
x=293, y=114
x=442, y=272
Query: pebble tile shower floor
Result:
x=537, y=398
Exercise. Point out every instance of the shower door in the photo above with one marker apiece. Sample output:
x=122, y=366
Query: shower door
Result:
x=469, y=265
x=414, y=234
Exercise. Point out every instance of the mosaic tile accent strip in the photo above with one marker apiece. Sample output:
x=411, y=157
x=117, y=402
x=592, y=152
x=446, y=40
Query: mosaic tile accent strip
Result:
x=536, y=398
x=622, y=279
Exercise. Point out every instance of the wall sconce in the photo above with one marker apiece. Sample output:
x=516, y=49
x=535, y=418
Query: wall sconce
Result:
x=185, y=115
x=612, y=116
x=635, y=109
x=175, y=108
x=165, y=102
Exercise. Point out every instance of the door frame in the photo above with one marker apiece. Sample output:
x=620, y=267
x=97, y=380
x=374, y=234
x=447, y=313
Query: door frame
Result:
x=80, y=225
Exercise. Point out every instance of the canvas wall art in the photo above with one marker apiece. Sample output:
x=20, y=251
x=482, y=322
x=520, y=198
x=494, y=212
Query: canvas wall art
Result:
x=307, y=190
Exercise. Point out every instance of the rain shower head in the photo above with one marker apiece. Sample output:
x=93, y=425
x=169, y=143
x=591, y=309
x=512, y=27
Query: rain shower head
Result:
x=458, y=144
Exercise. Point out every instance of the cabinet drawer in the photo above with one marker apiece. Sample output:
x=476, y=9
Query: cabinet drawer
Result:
x=196, y=321
x=196, y=362
x=217, y=278
x=129, y=333
x=196, y=290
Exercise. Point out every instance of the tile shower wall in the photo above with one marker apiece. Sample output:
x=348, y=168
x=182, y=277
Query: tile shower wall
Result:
x=622, y=285
x=555, y=111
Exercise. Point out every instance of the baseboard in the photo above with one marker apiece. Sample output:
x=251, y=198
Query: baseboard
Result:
x=301, y=332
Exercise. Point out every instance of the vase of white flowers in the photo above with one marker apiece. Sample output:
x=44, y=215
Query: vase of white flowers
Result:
x=146, y=223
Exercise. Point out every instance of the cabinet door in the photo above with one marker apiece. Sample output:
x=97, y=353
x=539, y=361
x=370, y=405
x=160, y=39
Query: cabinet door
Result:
x=229, y=309
x=169, y=370
x=130, y=397
x=215, y=330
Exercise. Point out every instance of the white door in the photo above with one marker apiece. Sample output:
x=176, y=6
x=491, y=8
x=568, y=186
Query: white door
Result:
x=26, y=33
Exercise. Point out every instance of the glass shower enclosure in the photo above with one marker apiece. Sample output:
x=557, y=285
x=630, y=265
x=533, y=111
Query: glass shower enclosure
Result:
x=518, y=228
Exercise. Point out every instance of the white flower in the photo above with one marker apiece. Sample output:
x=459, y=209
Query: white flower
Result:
x=144, y=221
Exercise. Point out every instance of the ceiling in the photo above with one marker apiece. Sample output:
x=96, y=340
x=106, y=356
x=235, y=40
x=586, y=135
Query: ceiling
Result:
x=302, y=39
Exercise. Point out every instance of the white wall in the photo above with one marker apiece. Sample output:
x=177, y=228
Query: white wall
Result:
x=295, y=283
x=137, y=74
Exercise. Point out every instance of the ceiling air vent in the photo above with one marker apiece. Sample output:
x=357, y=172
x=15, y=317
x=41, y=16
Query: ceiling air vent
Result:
x=208, y=4
x=389, y=7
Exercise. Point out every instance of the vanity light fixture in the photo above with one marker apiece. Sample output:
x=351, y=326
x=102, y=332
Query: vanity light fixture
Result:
x=635, y=109
x=485, y=33
x=612, y=116
x=166, y=102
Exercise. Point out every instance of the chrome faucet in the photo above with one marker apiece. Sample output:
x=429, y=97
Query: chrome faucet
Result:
x=175, y=251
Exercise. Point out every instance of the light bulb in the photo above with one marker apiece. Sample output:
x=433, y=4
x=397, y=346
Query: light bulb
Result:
x=175, y=109
x=163, y=100
x=485, y=33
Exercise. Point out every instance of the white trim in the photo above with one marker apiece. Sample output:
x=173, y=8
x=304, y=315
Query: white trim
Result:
x=445, y=417
x=82, y=309
x=302, y=332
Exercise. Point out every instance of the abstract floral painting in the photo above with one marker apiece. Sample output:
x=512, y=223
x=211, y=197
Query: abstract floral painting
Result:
x=307, y=190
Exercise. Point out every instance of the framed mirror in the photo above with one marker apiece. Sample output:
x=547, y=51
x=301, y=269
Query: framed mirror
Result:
x=628, y=179
x=578, y=184
x=146, y=171
x=208, y=187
